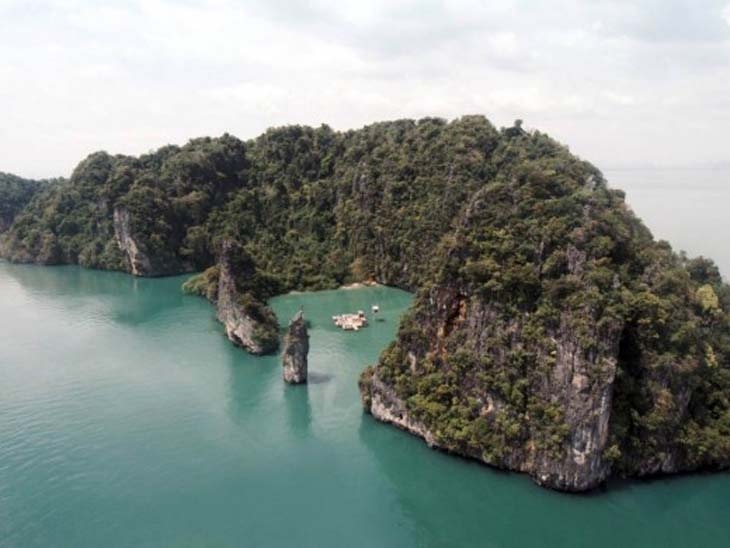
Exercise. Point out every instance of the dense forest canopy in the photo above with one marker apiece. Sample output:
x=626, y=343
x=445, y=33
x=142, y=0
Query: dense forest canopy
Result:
x=15, y=193
x=550, y=332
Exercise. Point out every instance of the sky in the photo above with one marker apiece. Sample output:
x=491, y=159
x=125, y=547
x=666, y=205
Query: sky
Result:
x=623, y=83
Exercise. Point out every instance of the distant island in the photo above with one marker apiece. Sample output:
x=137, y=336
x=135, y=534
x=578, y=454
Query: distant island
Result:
x=550, y=333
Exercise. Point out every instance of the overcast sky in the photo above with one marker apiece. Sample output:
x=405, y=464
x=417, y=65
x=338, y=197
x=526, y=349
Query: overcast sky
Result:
x=638, y=83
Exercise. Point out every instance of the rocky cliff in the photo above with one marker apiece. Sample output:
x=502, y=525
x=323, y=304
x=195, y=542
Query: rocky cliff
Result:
x=550, y=333
x=569, y=352
x=248, y=323
x=137, y=261
x=539, y=409
x=296, y=348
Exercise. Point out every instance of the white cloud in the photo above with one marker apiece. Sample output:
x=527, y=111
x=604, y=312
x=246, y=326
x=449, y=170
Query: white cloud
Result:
x=259, y=98
x=504, y=44
x=620, y=98
x=79, y=75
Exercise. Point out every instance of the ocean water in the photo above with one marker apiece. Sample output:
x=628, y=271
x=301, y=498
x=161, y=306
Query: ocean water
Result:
x=690, y=208
x=128, y=420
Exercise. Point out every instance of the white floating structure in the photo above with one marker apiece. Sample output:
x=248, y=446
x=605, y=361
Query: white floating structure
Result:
x=350, y=322
x=375, y=309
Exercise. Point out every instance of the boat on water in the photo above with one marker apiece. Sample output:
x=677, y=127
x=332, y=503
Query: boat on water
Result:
x=351, y=322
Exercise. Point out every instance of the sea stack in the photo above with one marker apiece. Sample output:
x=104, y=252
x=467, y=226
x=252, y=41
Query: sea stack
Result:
x=249, y=323
x=296, y=348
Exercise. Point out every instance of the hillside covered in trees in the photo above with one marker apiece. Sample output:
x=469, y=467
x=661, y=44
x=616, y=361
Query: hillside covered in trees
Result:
x=15, y=193
x=550, y=332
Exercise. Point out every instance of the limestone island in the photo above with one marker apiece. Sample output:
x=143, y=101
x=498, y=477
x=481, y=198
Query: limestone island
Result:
x=296, y=349
x=550, y=333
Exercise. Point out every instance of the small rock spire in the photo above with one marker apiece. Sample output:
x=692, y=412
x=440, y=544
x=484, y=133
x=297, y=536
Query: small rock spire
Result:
x=296, y=348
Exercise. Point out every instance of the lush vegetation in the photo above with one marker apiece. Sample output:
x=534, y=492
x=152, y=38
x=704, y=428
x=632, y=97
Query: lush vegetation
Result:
x=15, y=193
x=512, y=242
x=545, y=256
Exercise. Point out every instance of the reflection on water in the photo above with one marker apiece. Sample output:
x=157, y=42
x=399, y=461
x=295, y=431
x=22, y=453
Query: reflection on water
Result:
x=452, y=502
x=298, y=410
x=127, y=419
x=314, y=377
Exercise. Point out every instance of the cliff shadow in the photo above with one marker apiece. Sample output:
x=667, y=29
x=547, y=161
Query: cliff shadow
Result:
x=315, y=377
x=253, y=385
x=449, y=501
x=298, y=409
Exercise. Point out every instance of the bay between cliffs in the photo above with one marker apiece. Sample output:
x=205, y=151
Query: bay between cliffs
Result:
x=127, y=419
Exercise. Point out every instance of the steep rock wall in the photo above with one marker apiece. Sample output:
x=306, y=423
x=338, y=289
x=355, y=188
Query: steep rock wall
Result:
x=138, y=263
x=296, y=348
x=242, y=326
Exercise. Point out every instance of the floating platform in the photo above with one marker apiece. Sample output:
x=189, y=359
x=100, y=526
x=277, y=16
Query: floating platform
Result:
x=351, y=322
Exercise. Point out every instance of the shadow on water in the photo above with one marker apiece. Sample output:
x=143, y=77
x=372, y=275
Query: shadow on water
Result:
x=487, y=507
x=315, y=377
x=398, y=457
x=298, y=410
x=127, y=299
x=252, y=384
x=658, y=481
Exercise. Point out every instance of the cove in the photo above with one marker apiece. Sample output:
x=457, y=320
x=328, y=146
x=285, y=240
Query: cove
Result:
x=128, y=419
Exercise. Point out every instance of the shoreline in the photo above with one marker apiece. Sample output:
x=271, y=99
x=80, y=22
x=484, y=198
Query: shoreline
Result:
x=359, y=285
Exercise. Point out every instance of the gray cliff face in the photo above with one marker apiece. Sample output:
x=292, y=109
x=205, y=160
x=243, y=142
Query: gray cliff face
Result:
x=296, y=348
x=574, y=381
x=141, y=258
x=474, y=374
x=138, y=263
x=242, y=328
x=385, y=405
x=581, y=383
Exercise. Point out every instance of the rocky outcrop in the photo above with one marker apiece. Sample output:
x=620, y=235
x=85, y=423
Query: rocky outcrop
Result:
x=138, y=263
x=562, y=448
x=296, y=348
x=248, y=323
x=141, y=254
x=581, y=385
x=386, y=406
x=559, y=363
x=550, y=332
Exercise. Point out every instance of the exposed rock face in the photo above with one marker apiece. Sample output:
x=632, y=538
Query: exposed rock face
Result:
x=578, y=386
x=383, y=403
x=137, y=261
x=296, y=348
x=243, y=327
x=563, y=368
x=550, y=332
x=140, y=255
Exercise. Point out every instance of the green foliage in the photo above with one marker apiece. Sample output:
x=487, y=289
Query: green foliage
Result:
x=708, y=299
x=15, y=194
x=204, y=284
x=167, y=194
x=513, y=243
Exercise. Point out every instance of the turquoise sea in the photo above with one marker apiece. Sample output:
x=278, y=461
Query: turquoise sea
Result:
x=127, y=419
